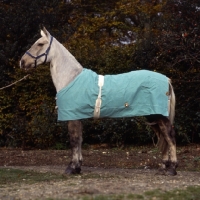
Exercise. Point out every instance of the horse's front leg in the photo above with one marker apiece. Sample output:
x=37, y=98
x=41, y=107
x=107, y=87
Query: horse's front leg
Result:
x=75, y=134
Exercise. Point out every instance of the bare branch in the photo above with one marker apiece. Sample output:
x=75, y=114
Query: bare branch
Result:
x=15, y=82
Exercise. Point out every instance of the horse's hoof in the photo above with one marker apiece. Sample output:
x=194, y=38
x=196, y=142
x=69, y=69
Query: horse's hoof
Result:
x=71, y=170
x=171, y=172
x=78, y=170
x=166, y=172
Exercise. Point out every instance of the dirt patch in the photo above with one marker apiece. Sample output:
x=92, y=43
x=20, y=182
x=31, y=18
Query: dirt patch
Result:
x=105, y=171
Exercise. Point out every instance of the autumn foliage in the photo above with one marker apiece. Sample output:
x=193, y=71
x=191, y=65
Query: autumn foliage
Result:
x=109, y=37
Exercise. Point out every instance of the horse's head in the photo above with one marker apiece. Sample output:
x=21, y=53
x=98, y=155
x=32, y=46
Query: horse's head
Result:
x=39, y=51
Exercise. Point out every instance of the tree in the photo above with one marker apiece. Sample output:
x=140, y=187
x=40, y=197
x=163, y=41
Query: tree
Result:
x=108, y=37
x=178, y=47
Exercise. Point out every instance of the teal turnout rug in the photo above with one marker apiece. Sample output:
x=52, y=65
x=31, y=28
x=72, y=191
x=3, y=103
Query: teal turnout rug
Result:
x=137, y=93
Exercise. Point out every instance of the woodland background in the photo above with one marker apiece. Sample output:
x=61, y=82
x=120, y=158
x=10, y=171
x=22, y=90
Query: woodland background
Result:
x=109, y=37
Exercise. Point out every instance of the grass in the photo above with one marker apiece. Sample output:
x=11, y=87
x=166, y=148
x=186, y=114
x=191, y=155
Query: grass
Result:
x=197, y=159
x=8, y=176
x=190, y=193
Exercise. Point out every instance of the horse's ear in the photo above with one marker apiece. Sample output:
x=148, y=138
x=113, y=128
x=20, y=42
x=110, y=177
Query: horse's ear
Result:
x=44, y=32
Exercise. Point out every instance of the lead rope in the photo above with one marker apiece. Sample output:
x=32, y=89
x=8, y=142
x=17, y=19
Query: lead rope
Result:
x=15, y=82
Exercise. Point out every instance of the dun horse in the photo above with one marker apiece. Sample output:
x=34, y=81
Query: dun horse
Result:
x=81, y=93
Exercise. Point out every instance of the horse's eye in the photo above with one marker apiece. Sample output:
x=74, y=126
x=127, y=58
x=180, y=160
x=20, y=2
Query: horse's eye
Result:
x=40, y=44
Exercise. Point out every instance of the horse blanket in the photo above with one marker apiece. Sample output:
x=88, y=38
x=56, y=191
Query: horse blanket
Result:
x=137, y=93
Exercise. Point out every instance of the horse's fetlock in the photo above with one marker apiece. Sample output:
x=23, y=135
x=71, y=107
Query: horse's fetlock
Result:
x=166, y=163
x=171, y=169
x=174, y=164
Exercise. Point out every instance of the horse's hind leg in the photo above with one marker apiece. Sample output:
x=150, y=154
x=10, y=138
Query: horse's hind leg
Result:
x=168, y=146
x=75, y=133
x=163, y=147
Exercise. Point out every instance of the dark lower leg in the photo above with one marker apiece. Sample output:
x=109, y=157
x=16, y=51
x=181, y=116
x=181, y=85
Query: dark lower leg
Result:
x=169, y=135
x=75, y=133
x=165, y=156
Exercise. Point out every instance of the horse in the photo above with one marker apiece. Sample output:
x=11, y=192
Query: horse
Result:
x=66, y=71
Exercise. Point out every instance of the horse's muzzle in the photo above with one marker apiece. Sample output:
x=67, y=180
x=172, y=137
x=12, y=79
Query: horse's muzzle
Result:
x=24, y=65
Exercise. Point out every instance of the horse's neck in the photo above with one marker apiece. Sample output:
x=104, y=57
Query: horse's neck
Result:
x=64, y=67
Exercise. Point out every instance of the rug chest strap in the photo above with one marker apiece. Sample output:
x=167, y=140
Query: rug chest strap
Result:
x=97, y=108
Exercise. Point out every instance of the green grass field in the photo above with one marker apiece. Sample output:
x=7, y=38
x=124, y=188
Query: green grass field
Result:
x=10, y=176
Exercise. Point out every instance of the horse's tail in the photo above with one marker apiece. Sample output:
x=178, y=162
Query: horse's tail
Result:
x=162, y=143
x=172, y=103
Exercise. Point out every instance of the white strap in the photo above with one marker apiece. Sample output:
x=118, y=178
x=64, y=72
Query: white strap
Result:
x=101, y=81
x=97, y=108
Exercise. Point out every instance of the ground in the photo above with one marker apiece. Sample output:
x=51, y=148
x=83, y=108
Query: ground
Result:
x=105, y=171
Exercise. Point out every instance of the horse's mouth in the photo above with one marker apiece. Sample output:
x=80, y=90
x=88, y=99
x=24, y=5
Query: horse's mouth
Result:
x=25, y=66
